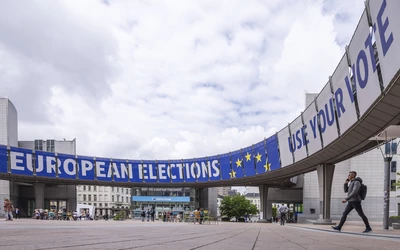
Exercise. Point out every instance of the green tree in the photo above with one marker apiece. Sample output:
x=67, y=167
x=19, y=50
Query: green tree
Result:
x=236, y=207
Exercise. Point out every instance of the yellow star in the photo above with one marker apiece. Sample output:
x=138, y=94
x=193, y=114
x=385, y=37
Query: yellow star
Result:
x=232, y=174
x=248, y=156
x=267, y=167
x=238, y=163
x=258, y=157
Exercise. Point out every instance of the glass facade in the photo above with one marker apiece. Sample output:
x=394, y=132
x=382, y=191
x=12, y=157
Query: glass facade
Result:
x=162, y=199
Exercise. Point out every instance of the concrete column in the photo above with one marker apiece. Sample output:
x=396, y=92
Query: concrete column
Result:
x=325, y=178
x=263, y=202
x=39, y=195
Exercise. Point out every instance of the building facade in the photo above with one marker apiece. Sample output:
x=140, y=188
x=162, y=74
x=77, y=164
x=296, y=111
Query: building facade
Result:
x=105, y=199
x=223, y=191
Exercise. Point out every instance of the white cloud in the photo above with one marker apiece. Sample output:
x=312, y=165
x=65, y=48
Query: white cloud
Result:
x=167, y=79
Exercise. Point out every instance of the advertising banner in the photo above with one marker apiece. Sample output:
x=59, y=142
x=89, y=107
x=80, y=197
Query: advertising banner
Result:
x=298, y=139
x=135, y=175
x=104, y=171
x=66, y=165
x=285, y=147
x=121, y=170
x=326, y=115
x=86, y=170
x=260, y=157
x=149, y=171
x=248, y=161
x=177, y=173
x=3, y=159
x=226, y=171
x=343, y=95
x=311, y=130
x=363, y=65
x=21, y=161
x=204, y=168
x=215, y=171
x=46, y=165
x=237, y=164
x=161, y=198
x=386, y=22
x=273, y=152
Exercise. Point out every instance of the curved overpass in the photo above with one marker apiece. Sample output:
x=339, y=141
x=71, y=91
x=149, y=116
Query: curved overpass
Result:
x=361, y=98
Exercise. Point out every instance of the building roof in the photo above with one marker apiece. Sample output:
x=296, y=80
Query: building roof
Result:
x=252, y=195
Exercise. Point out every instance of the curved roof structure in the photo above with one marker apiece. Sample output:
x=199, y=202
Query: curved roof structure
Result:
x=361, y=98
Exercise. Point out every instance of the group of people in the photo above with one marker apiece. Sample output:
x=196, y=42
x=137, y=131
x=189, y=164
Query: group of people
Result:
x=150, y=213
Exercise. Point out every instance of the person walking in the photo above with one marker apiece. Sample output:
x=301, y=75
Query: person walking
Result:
x=352, y=188
x=283, y=209
x=17, y=213
x=8, y=208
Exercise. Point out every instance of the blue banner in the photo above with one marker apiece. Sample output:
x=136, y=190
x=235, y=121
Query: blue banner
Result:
x=237, y=162
x=177, y=173
x=3, y=159
x=192, y=171
x=149, y=170
x=161, y=198
x=215, y=172
x=86, y=168
x=21, y=161
x=135, y=175
x=121, y=170
x=205, y=169
x=66, y=166
x=46, y=165
x=260, y=158
x=248, y=161
x=226, y=171
x=273, y=153
x=164, y=172
x=104, y=171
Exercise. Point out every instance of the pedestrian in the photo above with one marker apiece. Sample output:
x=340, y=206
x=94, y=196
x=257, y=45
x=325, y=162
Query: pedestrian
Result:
x=148, y=215
x=8, y=208
x=352, y=188
x=17, y=213
x=153, y=212
x=143, y=214
x=283, y=210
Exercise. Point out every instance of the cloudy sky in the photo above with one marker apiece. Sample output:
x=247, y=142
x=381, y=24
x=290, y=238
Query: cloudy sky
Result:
x=167, y=79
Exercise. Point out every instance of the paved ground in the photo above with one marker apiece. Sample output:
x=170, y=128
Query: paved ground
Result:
x=132, y=234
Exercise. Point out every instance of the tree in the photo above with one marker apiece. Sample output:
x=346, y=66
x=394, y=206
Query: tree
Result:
x=236, y=207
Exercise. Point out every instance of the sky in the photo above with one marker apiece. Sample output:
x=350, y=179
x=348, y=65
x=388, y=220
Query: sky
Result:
x=167, y=79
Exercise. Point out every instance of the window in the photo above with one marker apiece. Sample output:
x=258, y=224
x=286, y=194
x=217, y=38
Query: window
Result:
x=89, y=187
x=94, y=197
x=100, y=204
x=112, y=189
x=39, y=145
x=393, y=166
x=84, y=188
x=84, y=197
x=392, y=185
x=50, y=146
x=391, y=148
x=90, y=197
x=100, y=197
x=112, y=198
x=106, y=204
x=127, y=200
x=94, y=188
x=117, y=190
x=127, y=191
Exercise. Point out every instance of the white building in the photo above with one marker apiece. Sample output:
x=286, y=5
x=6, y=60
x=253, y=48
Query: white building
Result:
x=8, y=136
x=107, y=200
x=223, y=191
x=254, y=198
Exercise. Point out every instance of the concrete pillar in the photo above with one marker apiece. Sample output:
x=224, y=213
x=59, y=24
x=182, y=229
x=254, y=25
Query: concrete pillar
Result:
x=39, y=195
x=325, y=178
x=263, y=202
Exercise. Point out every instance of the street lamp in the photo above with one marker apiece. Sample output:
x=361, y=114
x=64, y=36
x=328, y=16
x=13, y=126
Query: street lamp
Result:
x=388, y=135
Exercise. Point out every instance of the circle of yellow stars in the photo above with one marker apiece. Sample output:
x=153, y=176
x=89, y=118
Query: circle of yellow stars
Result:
x=257, y=157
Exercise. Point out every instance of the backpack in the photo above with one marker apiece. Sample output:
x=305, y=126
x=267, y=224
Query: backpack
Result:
x=363, y=191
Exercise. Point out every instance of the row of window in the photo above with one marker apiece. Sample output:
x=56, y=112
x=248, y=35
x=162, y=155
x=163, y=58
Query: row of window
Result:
x=94, y=188
x=105, y=197
x=49, y=145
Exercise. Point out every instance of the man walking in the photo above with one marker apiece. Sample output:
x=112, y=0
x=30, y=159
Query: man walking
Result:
x=283, y=210
x=352, y=188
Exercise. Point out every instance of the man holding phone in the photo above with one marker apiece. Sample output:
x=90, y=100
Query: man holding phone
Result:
x=352, y=188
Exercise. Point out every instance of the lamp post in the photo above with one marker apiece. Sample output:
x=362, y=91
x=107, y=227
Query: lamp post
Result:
x=388, y=136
